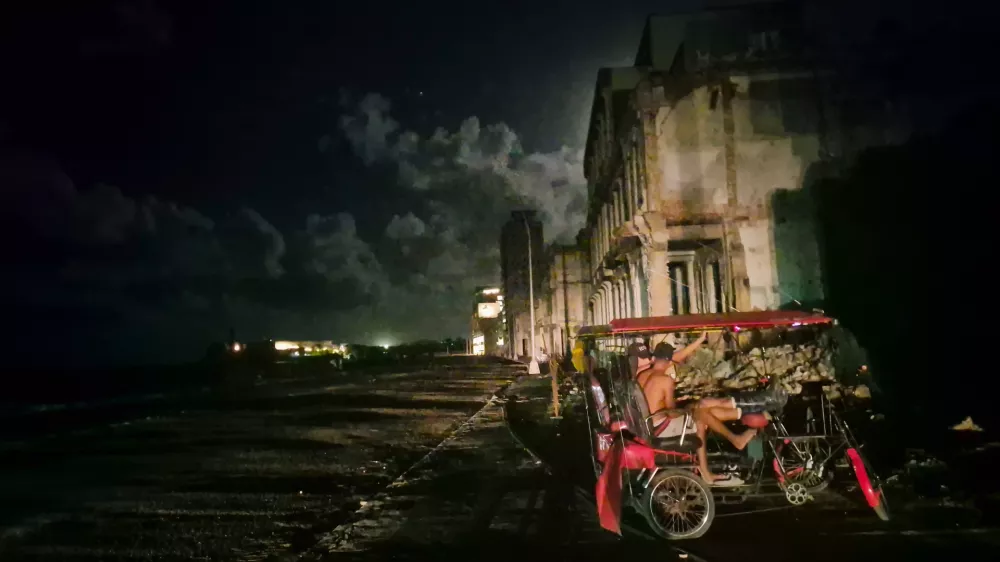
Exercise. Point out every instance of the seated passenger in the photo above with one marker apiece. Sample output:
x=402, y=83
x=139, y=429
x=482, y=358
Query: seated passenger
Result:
x=658, y=381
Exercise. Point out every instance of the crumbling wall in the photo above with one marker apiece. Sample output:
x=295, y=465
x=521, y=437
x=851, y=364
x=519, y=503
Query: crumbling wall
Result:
x=760, y=264
x=718, y=370
x=776, y=137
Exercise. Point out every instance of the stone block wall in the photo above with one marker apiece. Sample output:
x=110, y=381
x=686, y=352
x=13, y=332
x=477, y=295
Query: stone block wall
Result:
x=738, y=365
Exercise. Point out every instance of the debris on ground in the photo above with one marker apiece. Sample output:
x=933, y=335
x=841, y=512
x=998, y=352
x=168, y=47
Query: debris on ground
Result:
x=919, y=459
x=966, y=425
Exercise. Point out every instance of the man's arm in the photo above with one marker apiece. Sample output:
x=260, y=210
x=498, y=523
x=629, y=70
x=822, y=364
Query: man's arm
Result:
x=683, y=354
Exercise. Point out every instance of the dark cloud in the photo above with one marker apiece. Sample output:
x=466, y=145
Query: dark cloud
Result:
x=128, y=278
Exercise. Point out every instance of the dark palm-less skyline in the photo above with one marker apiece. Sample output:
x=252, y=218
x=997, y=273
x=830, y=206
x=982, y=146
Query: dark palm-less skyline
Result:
x=171, y=171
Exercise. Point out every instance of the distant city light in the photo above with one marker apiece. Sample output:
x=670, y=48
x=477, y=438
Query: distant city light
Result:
x=385, y=346
x=285, y=345
x=488, y=309
x=237, y=347
x=491, y=291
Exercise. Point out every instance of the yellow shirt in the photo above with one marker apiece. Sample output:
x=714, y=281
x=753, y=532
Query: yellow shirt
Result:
x=578, y=363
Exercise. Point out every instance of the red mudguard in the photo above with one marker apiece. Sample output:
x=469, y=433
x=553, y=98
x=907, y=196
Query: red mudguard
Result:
x=624, y=454
x=862, y=474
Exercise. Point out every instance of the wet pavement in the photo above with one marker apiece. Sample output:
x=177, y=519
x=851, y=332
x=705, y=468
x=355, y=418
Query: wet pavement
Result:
x=425, y=465
x=253, y=477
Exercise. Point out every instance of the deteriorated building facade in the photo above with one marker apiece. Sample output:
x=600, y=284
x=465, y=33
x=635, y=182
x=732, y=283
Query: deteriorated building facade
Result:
x=699, y=161
x=523, y=228
x=561, y=309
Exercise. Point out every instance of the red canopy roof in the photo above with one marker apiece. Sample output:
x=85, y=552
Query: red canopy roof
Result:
x=755, y=319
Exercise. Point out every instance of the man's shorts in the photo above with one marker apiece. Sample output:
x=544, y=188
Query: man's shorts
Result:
x=676, y=426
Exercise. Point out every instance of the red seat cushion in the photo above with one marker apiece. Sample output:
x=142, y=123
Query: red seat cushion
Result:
x=755, y=421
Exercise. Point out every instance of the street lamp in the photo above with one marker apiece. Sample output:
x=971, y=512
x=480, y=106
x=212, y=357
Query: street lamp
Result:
x=533, y=365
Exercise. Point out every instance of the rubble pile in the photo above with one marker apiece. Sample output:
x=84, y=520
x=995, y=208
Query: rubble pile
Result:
x=713, y=371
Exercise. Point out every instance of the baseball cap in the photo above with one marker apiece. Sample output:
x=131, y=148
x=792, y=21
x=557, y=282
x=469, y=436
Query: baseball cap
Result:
x=663, y=350
x=640, y=350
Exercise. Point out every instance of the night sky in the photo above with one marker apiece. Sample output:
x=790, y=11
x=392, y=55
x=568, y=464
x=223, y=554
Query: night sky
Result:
x=287, y=169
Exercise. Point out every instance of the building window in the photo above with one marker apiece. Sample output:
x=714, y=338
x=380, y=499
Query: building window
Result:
x=695, y=277
x=680, y=295
x=713, y=286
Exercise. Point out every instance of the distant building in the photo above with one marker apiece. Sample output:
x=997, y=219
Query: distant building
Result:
x=488, y=332
x=700, y=159
x=312, y=347
x=514, y=273
x=562, y=308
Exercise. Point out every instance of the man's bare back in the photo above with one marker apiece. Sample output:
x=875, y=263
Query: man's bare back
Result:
x=659, y=391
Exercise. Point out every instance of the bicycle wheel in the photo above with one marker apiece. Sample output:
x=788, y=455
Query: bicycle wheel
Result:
x=678, y=505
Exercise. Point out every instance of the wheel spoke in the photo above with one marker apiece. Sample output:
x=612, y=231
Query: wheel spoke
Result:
x=679, y=505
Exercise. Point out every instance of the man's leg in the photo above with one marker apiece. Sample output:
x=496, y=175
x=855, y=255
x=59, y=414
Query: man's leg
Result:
x=713, y=418
x=717, y=403
x=706, y=474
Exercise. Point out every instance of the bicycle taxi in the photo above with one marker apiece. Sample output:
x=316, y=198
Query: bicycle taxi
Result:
x=801, y=443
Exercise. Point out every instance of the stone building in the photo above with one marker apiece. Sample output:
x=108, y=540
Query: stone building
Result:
x=699, y=162
x=514, y=239
x=488, y=326
x=561, y=309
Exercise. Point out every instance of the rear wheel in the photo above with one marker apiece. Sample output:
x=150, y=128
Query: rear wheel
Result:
x=678, y=505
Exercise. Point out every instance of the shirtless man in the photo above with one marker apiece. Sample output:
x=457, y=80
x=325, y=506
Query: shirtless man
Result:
x=658, y=381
